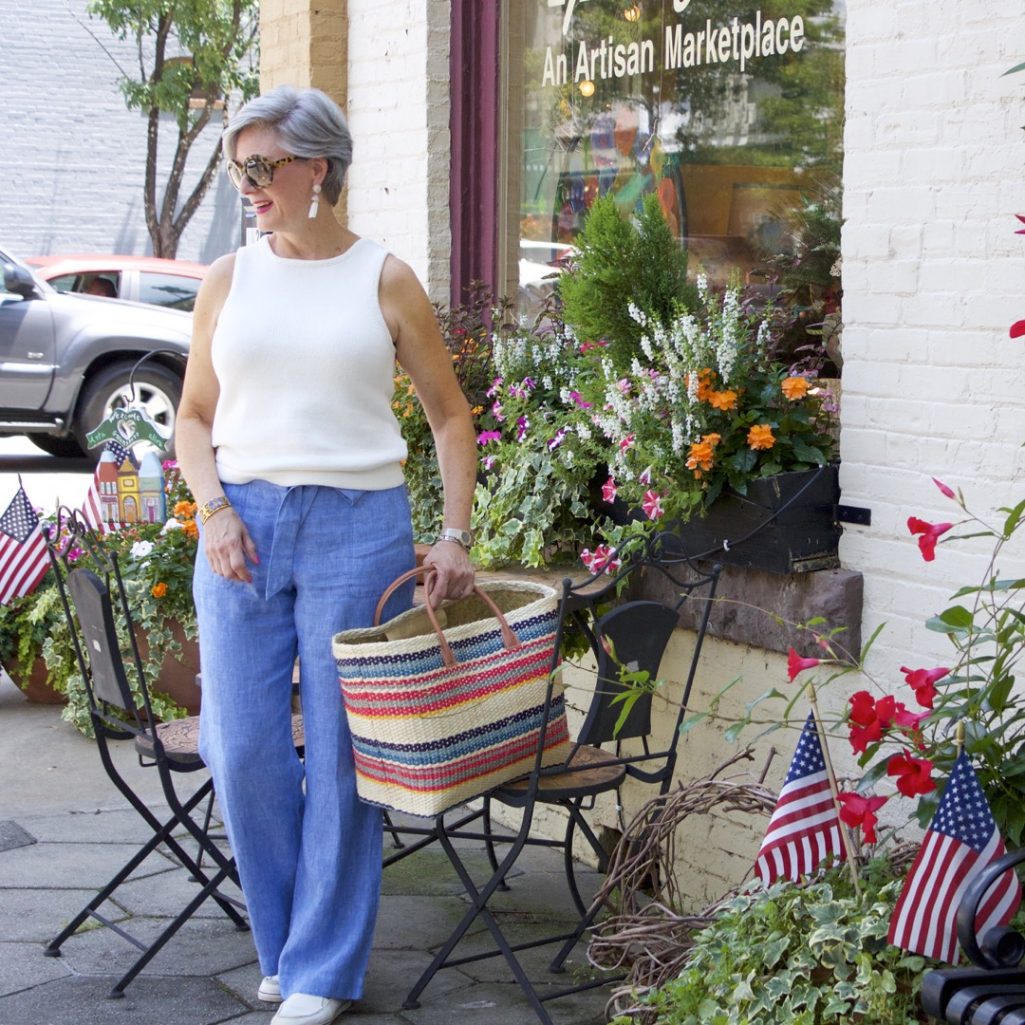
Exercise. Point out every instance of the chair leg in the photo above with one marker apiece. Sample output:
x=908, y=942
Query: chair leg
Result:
x=389, y=827
x=489, y=842
x=479, y=909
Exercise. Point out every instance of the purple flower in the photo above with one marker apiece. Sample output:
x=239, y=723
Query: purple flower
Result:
x=579, y=400
x=485, y=436
x=522, y=425
x=556, y=441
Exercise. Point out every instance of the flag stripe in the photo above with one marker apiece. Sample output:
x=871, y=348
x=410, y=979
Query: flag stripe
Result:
x=961, y=841
x=804, y=828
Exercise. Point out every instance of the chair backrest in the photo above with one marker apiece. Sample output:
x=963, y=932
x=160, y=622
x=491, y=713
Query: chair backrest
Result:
x=628, y=643
x=94, y=606
x=95, y=615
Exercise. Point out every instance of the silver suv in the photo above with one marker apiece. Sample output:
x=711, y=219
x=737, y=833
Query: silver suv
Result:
x=65, y=360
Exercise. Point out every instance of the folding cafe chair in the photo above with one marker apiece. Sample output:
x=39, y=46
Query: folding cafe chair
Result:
x=632, y=635
x=95, y=604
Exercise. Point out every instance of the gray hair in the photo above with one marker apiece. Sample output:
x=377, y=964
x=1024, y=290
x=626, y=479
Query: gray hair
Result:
x=307, y=122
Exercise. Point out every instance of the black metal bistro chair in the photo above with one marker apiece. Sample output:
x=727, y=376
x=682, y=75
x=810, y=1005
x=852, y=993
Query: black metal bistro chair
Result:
x=992, y=991
x=100, y=622
x=615, y=743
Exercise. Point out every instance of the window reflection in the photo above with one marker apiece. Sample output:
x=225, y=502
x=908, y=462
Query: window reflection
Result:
x=731, y=111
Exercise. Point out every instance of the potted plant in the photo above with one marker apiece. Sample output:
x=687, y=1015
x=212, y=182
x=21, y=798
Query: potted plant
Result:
x=156, y=563
x=25, y=624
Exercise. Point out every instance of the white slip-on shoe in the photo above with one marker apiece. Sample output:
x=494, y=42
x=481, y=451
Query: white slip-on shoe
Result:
x=304, y=1009
x=270, y=990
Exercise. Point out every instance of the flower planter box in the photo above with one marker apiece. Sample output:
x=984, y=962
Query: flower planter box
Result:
x=784, y=524
x=176, y=679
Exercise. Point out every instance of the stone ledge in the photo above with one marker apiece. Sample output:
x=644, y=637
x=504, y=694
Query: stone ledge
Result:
x=752, y=607
x=756, y=608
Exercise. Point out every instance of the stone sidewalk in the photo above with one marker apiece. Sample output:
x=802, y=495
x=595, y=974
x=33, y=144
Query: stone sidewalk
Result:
x=65, y=830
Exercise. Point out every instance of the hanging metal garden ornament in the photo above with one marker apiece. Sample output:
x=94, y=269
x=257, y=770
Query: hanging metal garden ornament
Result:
x=129, y=425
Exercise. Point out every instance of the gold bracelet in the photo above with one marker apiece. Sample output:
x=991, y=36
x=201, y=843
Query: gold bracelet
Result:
x=215, y=505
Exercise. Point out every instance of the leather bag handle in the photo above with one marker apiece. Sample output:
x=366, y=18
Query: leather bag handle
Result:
x=509, y=639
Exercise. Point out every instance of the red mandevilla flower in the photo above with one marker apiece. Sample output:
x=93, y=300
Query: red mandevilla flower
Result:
x=930, y=532
x=796, y=664
x=949, y=492
x=914, y=775
x=860, y=813
x=869, y=718
x=922, y=680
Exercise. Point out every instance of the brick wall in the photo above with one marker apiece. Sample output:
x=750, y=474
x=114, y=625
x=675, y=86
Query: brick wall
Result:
x=933, y=275
x=72, y=157
x=398, y=113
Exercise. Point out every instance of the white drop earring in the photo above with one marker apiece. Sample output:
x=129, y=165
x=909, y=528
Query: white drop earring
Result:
x=315, y=204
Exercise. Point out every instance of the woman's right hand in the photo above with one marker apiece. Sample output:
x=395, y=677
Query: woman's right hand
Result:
x=228, y=545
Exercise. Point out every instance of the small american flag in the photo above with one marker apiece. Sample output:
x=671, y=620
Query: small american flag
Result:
x=100, y=508
x=804, y=828
x=23, y=558
x=961, y=841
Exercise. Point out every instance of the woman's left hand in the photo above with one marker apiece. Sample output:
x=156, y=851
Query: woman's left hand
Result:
x=453, y=571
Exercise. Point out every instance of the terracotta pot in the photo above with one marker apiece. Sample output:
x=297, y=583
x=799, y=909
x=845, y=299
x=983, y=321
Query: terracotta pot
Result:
x=33, y=683
x=177, y=678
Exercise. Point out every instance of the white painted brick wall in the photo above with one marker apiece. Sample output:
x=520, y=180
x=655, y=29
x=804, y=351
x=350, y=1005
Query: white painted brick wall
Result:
x=72, y=157
x=933, y=277
x=398, y=112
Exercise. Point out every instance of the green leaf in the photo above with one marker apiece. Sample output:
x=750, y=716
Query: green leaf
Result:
x=957, y=616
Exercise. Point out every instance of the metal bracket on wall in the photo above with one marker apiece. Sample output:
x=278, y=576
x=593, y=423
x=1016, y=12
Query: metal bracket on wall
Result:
x=854, y=514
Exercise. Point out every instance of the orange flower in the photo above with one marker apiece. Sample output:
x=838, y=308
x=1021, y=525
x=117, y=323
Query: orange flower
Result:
x=760, y=437
x=704, y=384
x=795, y=388
x=191, y=530
x=724, y=400
x=158, y=590
x=185, y=510
x=702, y=455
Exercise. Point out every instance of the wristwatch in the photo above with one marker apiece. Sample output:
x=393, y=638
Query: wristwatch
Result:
x=460, y=537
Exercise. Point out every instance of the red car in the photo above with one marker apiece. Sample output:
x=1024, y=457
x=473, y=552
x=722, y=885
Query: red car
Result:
x=143, y=279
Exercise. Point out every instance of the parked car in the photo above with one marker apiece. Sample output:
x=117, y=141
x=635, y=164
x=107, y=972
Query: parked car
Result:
x=144, y=279
x=66, y=360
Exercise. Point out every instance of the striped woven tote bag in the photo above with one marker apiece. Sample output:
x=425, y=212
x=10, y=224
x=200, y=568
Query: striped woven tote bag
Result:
x=443, y=711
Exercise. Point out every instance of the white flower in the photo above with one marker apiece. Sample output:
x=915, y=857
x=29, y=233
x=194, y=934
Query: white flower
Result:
x=171, y=524
x=142, y=548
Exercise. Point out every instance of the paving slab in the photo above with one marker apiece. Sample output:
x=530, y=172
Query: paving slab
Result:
x=38, y=915
x=60, y=865
x=23, y=965
x=166, y=895
x=150, y=1000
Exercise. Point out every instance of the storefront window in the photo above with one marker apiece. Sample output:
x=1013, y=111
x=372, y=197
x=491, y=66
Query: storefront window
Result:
x=730, y=111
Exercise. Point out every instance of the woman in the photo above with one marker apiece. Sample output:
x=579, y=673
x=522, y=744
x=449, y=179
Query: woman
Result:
x=286, y=437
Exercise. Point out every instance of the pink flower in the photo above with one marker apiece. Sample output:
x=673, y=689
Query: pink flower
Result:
x=930, y=532
x=949, y=492
x=498, y=412
x=489, y=461
x=914, y=775
x=496, y=384
x=1017, y=329
x=922, y=681
x=624, y=385
x=645, y=477
x=555, y=441
x=602, y=559
x=485, y=436
x=579, y=400
x=652, y=505
x=627, y=442
x=609, y=490
x=860, y=813
x=796, y=664
x=522, y=426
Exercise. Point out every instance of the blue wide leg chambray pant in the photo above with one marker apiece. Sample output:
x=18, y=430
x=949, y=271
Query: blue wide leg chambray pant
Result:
x=308, y=851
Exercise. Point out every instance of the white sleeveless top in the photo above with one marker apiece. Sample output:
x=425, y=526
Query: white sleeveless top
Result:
x=306, y=367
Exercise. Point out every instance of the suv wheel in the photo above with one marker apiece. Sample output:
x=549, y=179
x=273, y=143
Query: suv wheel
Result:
x=157, y=391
